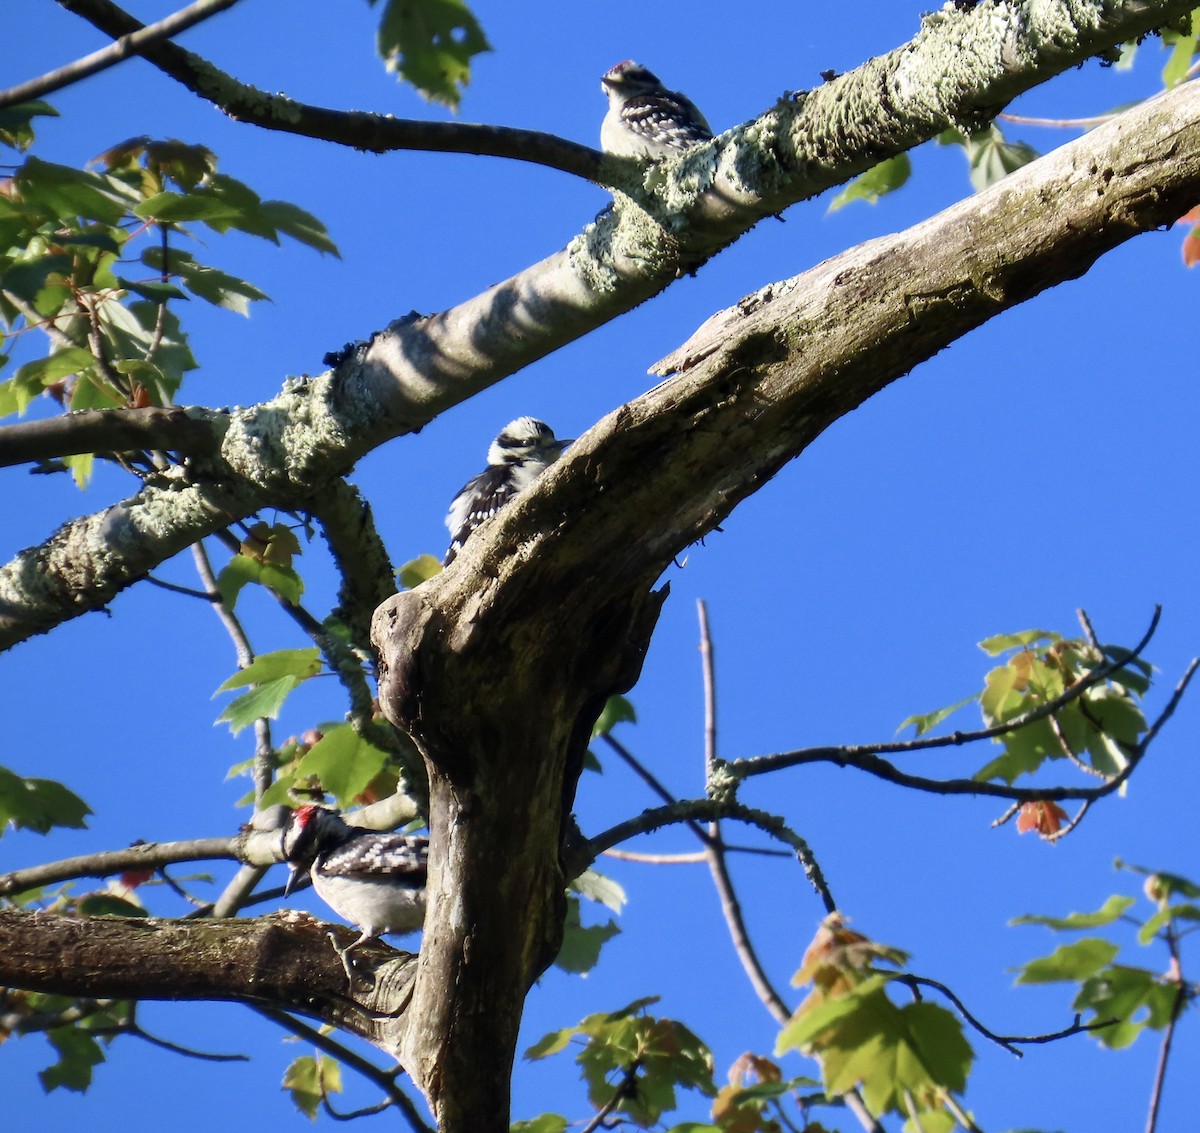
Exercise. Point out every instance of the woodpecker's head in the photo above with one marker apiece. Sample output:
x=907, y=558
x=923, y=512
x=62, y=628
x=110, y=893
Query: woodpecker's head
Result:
x=525, y=440
x=308, y=831
x=629, y=78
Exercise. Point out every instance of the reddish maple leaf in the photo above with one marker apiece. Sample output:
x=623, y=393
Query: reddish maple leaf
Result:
x=1044, y=816
x=1191, y=242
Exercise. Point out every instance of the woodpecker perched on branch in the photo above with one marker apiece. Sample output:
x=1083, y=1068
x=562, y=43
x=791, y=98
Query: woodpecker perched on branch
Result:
x=374, y=880
x=524, y=450
x=645, y=119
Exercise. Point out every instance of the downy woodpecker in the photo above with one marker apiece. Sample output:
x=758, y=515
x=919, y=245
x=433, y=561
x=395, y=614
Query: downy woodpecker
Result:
x=374, y=880
x=524, y=450
x=645, y=119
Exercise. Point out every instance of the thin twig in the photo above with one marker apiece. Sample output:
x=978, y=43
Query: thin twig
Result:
x=864, y=760
x=625, y=1088
x=1008, y=1042
x=237, y=893
x=114, y=53
x=20, y=1023
x=34, y=319
x=692, y=809
x=136, y=1030
x=347, y=666
x=160, y=319
x=647, y=777
x=264, y=764
x=719, y=868
x=1089, y=631
x=710, y=694
x=1069, y=752
x=104, y=864
x=1164, y=1051
x=95, y=339
x=851, y=755
x=1067, y=123
x=1008, y=814
x=699, y=857
x=187, y=591
x=1084, y=807
x=717, y=865
x=354, y=1114
x=910, y=1104
x=179, y=891
x=1167, y=712
x=960, y=1114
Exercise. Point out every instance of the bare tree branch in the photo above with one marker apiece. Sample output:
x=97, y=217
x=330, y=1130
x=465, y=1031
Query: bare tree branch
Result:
x=147, y=856
x=358, y=550
x=186, y=431
x=257, y=844
x=697, y=857
x=375, y=133
x=1008, y=1042
x=691, y=809
x=134, y=1029
x=264, y=768
x=863, y=759
x=1175, y=975
x=647, y=776
x=747, y=767
x=106, y=57
x=717, y=865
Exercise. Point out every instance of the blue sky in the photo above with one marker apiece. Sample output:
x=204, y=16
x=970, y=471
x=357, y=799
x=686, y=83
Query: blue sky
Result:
x=1045, y=462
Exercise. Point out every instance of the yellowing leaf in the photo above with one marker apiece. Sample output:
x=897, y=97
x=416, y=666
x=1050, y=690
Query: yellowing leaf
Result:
x=310, y=1079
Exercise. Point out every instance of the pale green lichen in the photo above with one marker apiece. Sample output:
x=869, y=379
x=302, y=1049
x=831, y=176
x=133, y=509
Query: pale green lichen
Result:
x=295, y=437
x=623, y=234
x=722, y=783
x=753, y=165
x=242, y=99
x=681, y=182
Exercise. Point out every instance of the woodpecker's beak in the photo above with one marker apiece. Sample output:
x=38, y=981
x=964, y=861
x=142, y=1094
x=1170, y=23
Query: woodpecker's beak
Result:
x=293, y=877
x=563, y=444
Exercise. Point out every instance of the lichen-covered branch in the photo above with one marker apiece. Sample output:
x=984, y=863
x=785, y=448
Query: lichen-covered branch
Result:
x=362, y=560
x=281, y=452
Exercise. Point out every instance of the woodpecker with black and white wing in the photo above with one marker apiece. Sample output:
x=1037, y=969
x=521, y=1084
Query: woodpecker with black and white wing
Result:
x=645, y=119
x=374, y=880
x=524, y=450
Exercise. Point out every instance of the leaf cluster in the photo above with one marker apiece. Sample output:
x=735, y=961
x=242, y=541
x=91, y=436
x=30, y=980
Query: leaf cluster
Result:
x=93, y=258
x=633, y=1062
x=1123, y=999
x=1097, y=730
x=908, y=1059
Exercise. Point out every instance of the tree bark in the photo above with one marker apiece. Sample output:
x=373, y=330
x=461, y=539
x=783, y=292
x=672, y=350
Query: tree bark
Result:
x=284, y=961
